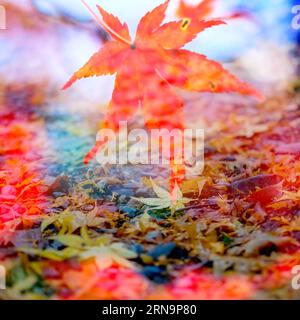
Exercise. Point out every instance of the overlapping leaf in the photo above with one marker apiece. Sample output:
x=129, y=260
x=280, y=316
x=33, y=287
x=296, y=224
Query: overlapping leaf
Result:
x=200, y=11
x=165, y=200
x=204, y=9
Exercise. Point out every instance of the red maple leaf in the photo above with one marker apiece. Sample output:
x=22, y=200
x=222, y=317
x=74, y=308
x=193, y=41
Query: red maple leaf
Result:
x=148, y=68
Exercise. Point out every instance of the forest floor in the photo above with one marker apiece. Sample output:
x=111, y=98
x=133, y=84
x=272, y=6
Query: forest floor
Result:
x=71, y=231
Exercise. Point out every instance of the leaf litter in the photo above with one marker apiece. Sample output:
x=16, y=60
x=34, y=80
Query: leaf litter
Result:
x=118, y=233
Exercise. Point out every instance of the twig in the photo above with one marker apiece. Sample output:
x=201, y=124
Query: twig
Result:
x=104, y=25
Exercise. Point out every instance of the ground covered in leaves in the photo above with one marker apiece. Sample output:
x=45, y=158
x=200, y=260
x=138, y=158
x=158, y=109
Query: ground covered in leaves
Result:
x=70, y=231
x=75, y=231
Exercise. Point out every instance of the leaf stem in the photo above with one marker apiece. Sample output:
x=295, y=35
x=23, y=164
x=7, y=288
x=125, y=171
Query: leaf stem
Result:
x=104, y=25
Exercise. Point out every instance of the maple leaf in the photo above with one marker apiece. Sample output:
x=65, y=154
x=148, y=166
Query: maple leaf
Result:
x=106, y=256
x=173, y=200
x=204, y=9
x=105, y=253
x=201, y=11
x=70, y=221
x=147, y=69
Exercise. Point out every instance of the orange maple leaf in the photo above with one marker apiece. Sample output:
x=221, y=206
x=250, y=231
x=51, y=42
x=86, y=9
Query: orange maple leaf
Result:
x=204, y=9
x=148, y=68
x=200, y=11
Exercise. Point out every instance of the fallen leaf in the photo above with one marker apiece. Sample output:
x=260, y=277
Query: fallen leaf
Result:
x=166, y=200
